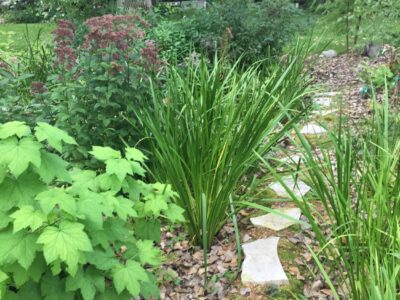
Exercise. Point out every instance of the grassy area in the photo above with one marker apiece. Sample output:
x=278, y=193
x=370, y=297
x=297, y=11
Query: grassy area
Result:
x=13, y=37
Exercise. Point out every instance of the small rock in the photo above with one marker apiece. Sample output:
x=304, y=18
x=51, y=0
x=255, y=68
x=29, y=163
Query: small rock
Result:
x=244, y=291
x=246, y=238
x=329, y=53
x=323, y=101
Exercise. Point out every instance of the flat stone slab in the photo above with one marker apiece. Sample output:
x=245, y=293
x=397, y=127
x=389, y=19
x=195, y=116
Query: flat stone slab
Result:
x=276, y=222
x=261, y=264
x=323, y=101
x=293, y=159
x=313, y=129
x=299, y=188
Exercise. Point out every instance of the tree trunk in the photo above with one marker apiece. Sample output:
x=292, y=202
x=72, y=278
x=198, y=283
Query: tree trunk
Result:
x=356, y=34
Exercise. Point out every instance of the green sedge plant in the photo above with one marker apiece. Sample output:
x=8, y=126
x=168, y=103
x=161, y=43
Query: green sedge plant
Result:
x=357, y=181
x=206, y=124
x=67, y=233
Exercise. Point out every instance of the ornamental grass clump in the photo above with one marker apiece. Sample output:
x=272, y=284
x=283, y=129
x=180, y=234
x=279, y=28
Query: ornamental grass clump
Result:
x=358, y=184
x=207, y=126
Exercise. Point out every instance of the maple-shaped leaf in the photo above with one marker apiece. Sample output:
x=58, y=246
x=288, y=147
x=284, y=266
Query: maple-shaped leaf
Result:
x=149, y=290
x=128, y=277
x=175, y=213
x=102, y=259
x=4, y=220
x=17, y=128
x=109, y=182
x=3, y=173
x=17, y=154
x=3, y=276
x=137, y=168
x=119, y=167
x=91, y=208
x=134, y=154
x=27, y=216
x=148, y=254
x=83, y=180
x=88, y=282
x=19, y=191
x=50, y=198
x=105, y=153
x=64, y=242
x=53, y=135
x=135, y=188
x=53, y=166
x=155, y=204
x=125, y=208
x=148, y=229
x=20, y=246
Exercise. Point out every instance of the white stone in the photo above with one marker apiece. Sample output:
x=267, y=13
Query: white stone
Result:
x=313, y=129
x=329, y=53
x=323, y=101
x=299, y=188
x=261, y=264
x=277, y=222
x=326, y=94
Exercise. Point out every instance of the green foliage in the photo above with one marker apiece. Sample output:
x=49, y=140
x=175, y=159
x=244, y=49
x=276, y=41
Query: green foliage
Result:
x=238, y=28
x=67, y=233
x=205, y=128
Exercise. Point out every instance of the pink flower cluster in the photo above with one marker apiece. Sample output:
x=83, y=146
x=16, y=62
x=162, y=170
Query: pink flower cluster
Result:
x=150, y=55
x=109, y=30
x=64, y=36
x=37, y=87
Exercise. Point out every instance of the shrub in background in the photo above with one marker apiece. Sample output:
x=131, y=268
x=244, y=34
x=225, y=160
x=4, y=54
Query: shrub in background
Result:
x=67, y=233
x=241, y=27
x=102, y=79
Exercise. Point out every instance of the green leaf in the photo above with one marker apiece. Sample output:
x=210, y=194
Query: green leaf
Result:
x=4, y=220
x=105, y=153
x=109, y=182
x=119, y=167
x=20, y=191
x=83, y=180
x=53, y=166
x=155, y=203
x=50, y=198
x=64, y=242
x=137, y=168
x=3, y=173
x=134, y=154
x=92, y=209
x=149, y=290
x=88, y=281
x=148, y=254
x=20, y=246
x=53, y=135
x=17, y=128
x=175, y=213
x=128, y=277
x=3, y=276
x=125, y=208
x=148, y=229
x=27, y=216
x=17, y=154
x=103, y=260
x=53, y=288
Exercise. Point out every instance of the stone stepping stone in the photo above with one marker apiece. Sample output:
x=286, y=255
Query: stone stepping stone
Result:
x=293, y=159
x=299, y=188
x=323, y=101
x=327, y=94
x=277, y=222
x=313, y=129
x=261, y=264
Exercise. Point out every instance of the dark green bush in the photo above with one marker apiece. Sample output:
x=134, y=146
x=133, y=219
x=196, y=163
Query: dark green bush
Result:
x=249, y=28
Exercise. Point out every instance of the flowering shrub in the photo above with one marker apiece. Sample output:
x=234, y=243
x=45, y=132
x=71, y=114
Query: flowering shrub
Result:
x=67, y=233
x=103, y=70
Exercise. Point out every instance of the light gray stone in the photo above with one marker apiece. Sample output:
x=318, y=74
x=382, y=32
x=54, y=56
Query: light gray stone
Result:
x=329, y=53
x=293, y=159
x=261, y=264
x=323, y=101
x=326, y=94
x=299, y=188
x=277, y=222
x=313, y=129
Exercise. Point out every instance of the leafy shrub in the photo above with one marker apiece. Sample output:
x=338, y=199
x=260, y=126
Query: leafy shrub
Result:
x=208, y=124
x=243, y=27
x=103, y=75
x=67, y=233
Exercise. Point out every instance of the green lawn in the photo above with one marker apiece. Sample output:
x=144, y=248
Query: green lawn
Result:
x=13, y=37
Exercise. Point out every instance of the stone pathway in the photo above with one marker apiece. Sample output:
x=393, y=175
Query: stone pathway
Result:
x=262, y=265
